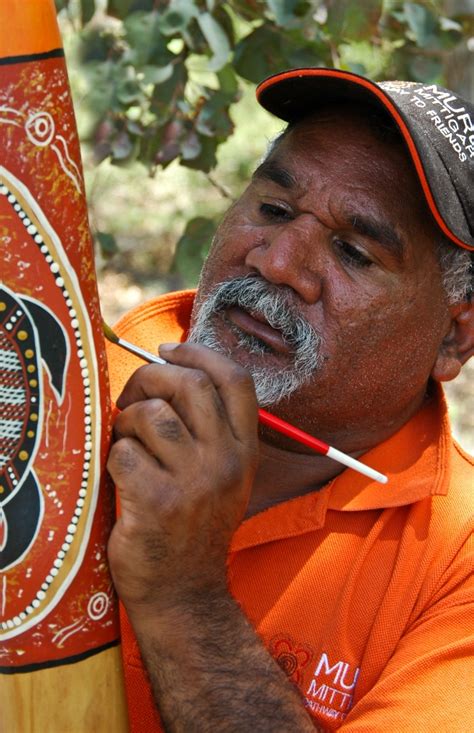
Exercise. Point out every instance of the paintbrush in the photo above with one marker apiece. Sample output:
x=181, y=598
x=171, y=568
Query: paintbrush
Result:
x=265, y=417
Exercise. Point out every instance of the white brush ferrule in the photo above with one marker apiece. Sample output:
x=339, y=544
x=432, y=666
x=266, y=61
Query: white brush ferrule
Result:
x=350, y=462
x=145, y=355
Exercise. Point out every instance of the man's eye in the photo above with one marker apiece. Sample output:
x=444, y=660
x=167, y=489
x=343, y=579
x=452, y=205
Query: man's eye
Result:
x=351, y=255
x=274, y=211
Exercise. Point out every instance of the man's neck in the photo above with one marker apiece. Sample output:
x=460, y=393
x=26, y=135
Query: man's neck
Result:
x=285, y=473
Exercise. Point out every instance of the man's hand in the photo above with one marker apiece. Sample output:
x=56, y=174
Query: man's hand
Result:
x=184, y=463
x=184, y=459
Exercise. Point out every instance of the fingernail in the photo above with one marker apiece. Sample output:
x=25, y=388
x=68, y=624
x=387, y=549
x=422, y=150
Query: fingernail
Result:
x=168, y=347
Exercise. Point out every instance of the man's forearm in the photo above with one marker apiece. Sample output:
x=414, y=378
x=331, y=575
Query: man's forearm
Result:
x=210, y=672
x=184, y=464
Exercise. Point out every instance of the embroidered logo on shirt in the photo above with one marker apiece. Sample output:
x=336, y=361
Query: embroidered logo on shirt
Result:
x=292, y=656
x=331, y=691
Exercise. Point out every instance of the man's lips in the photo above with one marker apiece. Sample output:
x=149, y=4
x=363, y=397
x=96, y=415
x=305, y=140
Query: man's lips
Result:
x=259, y=328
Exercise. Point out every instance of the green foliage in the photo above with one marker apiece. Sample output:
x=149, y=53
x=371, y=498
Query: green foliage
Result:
x=107, y=243
x=192, y=248
x=347, y=19
x=160, y=78
x=149, y=102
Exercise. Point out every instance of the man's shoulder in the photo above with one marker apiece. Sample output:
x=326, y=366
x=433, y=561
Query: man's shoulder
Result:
x=156, y=321
x=453, y=514
x=462, y=476
x=164, y=313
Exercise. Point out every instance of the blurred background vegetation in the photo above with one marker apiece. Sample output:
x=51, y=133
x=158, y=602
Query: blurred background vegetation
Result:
x=170, y=132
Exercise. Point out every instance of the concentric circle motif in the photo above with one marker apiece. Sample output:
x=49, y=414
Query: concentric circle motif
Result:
x=40, y=128
x=288, y=662
x=50, y=420
x=293, y=657
x=98, y=606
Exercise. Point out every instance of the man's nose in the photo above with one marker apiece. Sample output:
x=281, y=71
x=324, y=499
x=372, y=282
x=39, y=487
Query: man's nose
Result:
x=285, y=255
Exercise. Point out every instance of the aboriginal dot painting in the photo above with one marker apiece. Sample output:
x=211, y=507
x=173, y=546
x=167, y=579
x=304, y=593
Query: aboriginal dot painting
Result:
x=56, y=597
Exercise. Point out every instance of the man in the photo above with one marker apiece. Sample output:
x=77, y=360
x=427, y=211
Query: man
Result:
x=268, y=588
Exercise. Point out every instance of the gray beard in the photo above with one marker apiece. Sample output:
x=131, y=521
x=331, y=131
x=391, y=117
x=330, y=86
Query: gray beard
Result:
x=257, y=296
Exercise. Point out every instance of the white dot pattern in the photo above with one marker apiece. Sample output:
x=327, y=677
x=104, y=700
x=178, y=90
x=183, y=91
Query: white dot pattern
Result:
x=41, y=594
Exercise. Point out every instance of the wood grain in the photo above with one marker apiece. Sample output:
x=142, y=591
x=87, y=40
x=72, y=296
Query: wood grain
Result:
x=84, y=697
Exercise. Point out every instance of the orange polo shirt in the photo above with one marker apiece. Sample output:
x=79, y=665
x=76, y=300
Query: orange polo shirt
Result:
x=362, y=592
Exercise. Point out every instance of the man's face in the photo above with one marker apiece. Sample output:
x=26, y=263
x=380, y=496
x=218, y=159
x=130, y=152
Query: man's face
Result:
x=335, y=222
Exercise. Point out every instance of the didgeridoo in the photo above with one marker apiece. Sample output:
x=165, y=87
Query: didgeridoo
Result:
x=60, y=668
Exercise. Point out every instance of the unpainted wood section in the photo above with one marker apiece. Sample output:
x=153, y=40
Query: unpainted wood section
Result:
x=85, y=697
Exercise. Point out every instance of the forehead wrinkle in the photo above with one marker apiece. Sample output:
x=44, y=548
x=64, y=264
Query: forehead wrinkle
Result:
x=272, y=170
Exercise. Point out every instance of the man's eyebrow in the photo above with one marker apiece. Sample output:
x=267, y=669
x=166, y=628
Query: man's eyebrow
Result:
x=378, y=231
x=273, y=171
x=365, y=225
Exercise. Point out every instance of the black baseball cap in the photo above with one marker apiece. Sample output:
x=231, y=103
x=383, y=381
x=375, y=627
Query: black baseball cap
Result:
x=436, y=124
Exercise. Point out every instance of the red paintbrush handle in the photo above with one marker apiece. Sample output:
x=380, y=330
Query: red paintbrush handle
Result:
x=286, y=429
x=269, y=420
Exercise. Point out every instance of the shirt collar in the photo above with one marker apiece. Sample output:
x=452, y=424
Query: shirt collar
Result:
x=416, y=459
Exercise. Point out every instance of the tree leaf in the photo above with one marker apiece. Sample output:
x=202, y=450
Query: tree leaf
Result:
x=119, y=8
x=147, y=45
x=268, y=50
x=259, y=54
x=121, y=146
x=421, y=22
x=146, y=5
x=177, y=17
x=425, y=69
x=285, y=12
x=353, y=19
x=97, y=44
x=213, y=119
x=249, y=9
x=228, y=82
x=206, y=160
x=217, y=40
x=224, y=19
x=170, y=143
x=299, y=54
x=165, y=95
x=363, y=57
x=128, y=90
x=157, y=74
x=191, y=146
x=107, y=243
x=87, y=10
x=192, y=248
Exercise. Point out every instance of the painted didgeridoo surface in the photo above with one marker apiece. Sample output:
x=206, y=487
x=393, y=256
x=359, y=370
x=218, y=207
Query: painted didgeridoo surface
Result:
x=60, y=668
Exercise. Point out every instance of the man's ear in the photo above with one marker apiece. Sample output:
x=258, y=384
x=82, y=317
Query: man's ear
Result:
x=458, y=344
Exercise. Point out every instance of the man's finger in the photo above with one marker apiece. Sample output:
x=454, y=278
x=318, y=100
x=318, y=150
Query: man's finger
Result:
x=206, y=389
x=190, y=392
x=232, y=382
x=157, y=426
x=136, y=474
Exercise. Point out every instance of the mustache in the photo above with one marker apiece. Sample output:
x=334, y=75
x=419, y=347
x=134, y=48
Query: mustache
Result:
x=277, y=305
x=271, y=302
